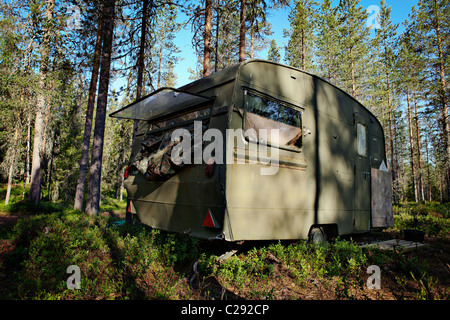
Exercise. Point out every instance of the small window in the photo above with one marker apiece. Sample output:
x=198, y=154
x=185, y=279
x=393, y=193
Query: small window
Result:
x=361, y=135
x=265, y=114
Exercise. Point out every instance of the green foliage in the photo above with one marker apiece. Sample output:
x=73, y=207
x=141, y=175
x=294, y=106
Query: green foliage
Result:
x=49, y=243
x=433, y=218
x=304, y=261
x=137, y=262
x=129, y=261
x=299, y=51
x=273, y=54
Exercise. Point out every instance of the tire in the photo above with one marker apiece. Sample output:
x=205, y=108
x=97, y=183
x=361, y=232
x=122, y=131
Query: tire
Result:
x=317, y=235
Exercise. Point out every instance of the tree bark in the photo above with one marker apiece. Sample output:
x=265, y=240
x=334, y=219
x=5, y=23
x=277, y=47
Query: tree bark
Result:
x=28, y=177
x=445, y=119
x=411, y=147
x=242, y=32
x=216, y=58
x=36, y=170
x=79, y=194
x=26, y=174
x=160, y=57
x=207, y=39
x=95, y=172
x=392, y=162
x=12, y=163
x=303, y=50
x=141, y=61
x=419, y=152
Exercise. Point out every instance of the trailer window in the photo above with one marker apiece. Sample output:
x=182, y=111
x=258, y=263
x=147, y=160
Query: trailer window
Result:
x=265, y=114
x=361, y=136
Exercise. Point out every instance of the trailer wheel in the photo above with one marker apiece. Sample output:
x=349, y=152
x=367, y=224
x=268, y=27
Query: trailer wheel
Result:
x=317, y=235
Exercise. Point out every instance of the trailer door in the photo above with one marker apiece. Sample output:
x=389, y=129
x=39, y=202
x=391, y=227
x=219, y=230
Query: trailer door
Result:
x=361, y=214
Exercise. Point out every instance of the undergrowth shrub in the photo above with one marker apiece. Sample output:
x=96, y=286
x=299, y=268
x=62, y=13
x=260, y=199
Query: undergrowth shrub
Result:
x=431, y=225
x=54, y=242
x=115, y=261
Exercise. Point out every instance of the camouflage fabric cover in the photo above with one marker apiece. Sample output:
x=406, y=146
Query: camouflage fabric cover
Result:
x=154, y=160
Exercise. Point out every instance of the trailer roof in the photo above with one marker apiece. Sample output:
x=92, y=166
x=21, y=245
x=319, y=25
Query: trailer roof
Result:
x=157, y=104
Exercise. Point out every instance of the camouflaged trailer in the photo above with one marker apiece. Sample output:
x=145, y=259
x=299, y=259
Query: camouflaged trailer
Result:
x=325, y=171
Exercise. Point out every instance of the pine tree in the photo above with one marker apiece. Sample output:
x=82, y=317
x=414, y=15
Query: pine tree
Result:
x=36, y=166
x=273, y=54
x=409, y=66
x=94, y=187
x=327, y=42
x=242, y=30
x=79, y=195
x=207, y=39
x=353, y=43
x=164, y=48
x=299, y=51
x=432, y=27
x=383, y=60
x=15, y=87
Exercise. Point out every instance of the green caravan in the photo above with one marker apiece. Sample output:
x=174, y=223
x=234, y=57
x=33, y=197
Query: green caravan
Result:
x=322, y=174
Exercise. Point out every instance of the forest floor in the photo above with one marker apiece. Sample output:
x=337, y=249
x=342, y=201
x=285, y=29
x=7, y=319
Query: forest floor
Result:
x=119, y=261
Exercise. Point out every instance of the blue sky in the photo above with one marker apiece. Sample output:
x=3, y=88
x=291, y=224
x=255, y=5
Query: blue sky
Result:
x=279, y=20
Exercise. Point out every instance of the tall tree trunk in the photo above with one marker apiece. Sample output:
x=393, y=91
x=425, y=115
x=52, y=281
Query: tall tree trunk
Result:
x=428, y=168
x=352, y=65
x=419, y=152
x=411, y=147
x=26, y=169
x=36, y=170
x=252, y=45
x=242, y=32
x=444, y=110
x=121, y=175
x=141, y=61
x=12, y=163
x=207, y=39
x=216, y=58
x=27, y=165
x=95, y=172
x=161, y=45
x=392, y=162
x=50, y=164
x=303, y=50
x=79, y=194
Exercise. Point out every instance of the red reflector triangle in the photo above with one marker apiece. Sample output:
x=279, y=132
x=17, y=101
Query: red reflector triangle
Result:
x=209, y=220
